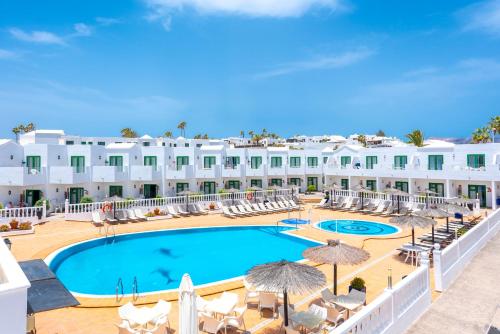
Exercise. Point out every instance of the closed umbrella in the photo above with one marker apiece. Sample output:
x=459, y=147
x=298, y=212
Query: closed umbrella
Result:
x=232, y=191
x=336, y=253
x=287, y=277
x=395, y=192
x=188, y=314
x=434, y=213
x=274, y=188
x=412, y=220
x=427, y=193
x=362, y=190
x=186, y=193
x=333, y=188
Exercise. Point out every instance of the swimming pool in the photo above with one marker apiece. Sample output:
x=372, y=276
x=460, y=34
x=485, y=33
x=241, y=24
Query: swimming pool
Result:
x=295, y=221
x=357, y=227
x=159, y=259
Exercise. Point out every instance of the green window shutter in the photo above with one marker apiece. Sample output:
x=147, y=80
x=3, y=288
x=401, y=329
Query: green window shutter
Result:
x=294, y=162
x=150, y=161
x=181, y=161
x=344, y=161
x=312, y=161
x=208, y=161
x=255, y=162
x=276, y=162
x=34, y=162
x=371, y=161
x=78, y=164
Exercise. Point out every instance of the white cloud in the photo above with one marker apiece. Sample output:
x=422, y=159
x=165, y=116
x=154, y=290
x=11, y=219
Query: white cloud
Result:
x=81, y=29
x=41, y=37
x=322, y=62
x=6, y=54
x=482, y=16
x=107, y=21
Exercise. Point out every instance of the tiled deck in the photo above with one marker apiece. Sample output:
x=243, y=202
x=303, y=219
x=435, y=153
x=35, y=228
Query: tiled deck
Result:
x=93, y=318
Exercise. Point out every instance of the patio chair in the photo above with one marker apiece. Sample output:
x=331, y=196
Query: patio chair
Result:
x=267, y=300
x=182, y=211
x=124, y=328
x=334, y=315
x=108, y=217
x=210, y=324
x=96, y=218
x=139, y=214
x=172, y=211
x=227, y=213
x=237, y=321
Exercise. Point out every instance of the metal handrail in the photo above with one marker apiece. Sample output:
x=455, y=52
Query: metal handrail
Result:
x=135, y=289
x=119, y=285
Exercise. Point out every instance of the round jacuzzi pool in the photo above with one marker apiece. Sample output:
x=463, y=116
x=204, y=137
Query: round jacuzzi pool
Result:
x=357, y=227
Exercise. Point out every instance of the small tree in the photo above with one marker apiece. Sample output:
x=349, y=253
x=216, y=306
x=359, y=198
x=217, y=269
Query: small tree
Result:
x=362, y=140
x=481, y=135
x=182, y=126
x=128, y=133
x=494, y=126
x=416, y=137
x=311, y=188
x=86, y=199
x=168, y=134
x=380, y=133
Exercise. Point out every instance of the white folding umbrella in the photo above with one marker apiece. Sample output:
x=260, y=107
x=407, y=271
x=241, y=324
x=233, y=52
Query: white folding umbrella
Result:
x=188, y=314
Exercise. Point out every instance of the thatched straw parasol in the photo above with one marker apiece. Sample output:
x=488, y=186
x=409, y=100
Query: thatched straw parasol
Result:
x=434, y=213
x=427, y=193
x=274, y=188
x=287, y=277
x=395, y=192
x=455, y=208
x=335, y=253
x=412, y=220
x=362, y=190
x=333, y=188
x=186, y=193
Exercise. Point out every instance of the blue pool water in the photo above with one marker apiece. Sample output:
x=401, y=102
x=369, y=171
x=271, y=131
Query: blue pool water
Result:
x=357, y=227
x=159, y=259
x=294, y=221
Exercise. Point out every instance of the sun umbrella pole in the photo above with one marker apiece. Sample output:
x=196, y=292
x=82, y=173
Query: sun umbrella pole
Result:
x=398, y=203
x=413, y=236
x=285, y=301
x=335, y=279
x=433, y=234
x=361, y=200
x=447, y=225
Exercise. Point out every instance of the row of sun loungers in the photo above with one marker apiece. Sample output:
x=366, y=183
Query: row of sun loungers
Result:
x=245, y=208
x=121, y=216
x=371, y=206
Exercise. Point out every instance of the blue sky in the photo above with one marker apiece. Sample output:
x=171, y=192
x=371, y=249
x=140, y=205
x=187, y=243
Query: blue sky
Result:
x=293, y=67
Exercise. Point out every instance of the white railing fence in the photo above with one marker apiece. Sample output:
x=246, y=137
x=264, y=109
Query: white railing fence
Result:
x=83, y=211
x=33, y=214
x=395, y=309
x=450, y=262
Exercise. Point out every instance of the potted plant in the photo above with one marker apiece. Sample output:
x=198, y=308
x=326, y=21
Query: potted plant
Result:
x=4, y=228
x=156, y=212
x=358, y=283
x=211, y=206
x=39, y=203
x=86, y=200
x=14, y=224
x=25, y=226
x=311, y=188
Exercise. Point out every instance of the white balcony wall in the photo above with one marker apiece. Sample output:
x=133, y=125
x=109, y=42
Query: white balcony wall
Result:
x=109, y=174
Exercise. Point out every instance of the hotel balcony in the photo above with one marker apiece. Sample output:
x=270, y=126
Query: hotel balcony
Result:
x=296, y=171
x=183, y=173
x=276, y=171
x=256, y=172
x=109, y=173
x=208, y=173
x=312, y=170
x=237, y=171
x=69, y=175
x=145, y=173
x=21, y=176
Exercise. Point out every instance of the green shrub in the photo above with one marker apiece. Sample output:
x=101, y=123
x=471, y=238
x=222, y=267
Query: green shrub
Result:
x=86, y=199
x=40, y=203
x=311, y=188
x=358, y=283
x=4, y=228
x=1, y=206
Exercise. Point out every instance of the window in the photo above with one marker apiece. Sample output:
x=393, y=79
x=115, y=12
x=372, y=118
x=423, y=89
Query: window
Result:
x=181, y=186
x=371, y=161
x=78, y=164
x=295, y=181
x=232, y=162
x=344, y=161
x=435, y=162
x=186, y=145
x=256, y=183
x=209, y=187
x=146, y=143
x=401, y=185
x=371, y=184
x=34, y=164
x=276, y=182
x=70, y=142
x=475, y=160
x=83, y=143
x=294, y=162
x=344, y=183
x=437, y=188
x=233, y=184
x=101, y=143
x=116, y=160
x=150, y=161
x=312, y=181
x=150, y=190
x=182, y=161
x=255, y=162
x=198, y=145
x=325, y=160
x=400, y=161
x=479, y=192
x=276, y=162
x=90, y=143
x=312, y=162
x=75, y=195
x=115, y=191
x=208, y=161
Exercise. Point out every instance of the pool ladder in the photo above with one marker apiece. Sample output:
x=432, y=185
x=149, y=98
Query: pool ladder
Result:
x=135, y=289
x=119, y=287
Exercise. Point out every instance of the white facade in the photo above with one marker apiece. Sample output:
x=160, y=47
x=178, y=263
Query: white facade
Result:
x=54, y=166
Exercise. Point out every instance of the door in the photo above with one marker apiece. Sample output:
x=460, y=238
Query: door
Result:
x=371, y=184
x=277, y=182
x=437, y=188
x=344, y=183
x=401, y=185
x=34, y=164
x=312, y=181
x=115, y=191
x=478, y=191
x=294, y=181
x=32, y=196
x=78, y=164
x=209, y=187
x=256, y=183
x=150, y=161
x=181, y=161
x=75, y=195
x=234, y=184
x=150, y=190
x=116, y=160
x=181, y=186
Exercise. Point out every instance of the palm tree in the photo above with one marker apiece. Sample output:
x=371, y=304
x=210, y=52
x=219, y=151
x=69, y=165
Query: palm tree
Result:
x=198, y=136
x=29, y=127
x=416, y=137
x=168, y=134
x=380, y=133
x=182, y=126
x=494, y=125
x=205, y=136
x=257, y=138
x=362, y=140
x=242, y=134
x=17, y=130
x=264, y=132
x=128, y=133
x=481, y=135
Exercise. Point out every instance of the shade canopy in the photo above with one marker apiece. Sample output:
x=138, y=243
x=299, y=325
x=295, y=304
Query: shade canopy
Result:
x=293, y=277
x=188, y=315
x=395, y=191
x=336, y=252
x=455, y=208
x=186, y=193
x=362, y=188
x=433, y=213
x=254, y=188
x=428, y=192
x=412, y=220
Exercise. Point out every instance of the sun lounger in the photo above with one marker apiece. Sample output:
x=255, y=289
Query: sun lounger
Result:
x=131, y=216
x=193, y=209
x=227, y=213
x=270, y=207
x=139, y=214
x=171, y=211
x=242, y=209
x=96, y=218
x=237, y=212
x=182, y=211
x=202, y=210
x=277, y=207
x=121, y=217
x=257, y=208
x=322, y=203
x=110, y=219
x=250, y=209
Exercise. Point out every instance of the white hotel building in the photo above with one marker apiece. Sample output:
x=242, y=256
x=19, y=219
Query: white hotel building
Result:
x=52, y=165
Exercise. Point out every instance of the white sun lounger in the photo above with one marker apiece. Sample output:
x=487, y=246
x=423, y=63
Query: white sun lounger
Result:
x=139, y=214
x=227, y=213
x=131, y=215
x=182, y=211
x=171, y=211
